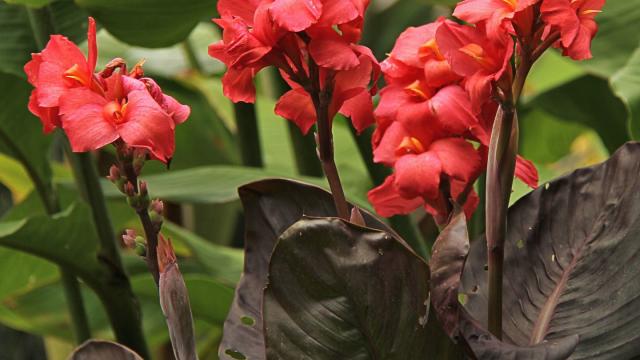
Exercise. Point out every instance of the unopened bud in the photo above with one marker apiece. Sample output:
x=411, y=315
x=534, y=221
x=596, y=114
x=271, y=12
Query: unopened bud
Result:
x=356, y=217
x=129, y=190
x=139, y=157
x=166, y=255
x=114, y=174
x=157, y=206
x=129, y=238
x=144, y=191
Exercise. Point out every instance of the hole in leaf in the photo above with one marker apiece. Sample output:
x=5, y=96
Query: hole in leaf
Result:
x=520, y=244
x=474, y=289
x=235, y=354
x=462, y=298
x=248, y=320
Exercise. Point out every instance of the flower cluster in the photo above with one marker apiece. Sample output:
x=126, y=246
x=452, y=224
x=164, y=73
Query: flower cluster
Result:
x=445, y=82
x=312, y=43
x=96, y=109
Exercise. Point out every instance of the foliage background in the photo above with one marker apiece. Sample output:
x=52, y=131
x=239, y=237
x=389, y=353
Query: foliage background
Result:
x=572, y=115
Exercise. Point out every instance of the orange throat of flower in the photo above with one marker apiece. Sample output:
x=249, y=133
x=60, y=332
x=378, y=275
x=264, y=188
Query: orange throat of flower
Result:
x=115, y=111
x=410, y=145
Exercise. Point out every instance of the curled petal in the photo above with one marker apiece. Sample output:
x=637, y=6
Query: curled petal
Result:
x=48, y=116
x=237, y=85
x=360, y=109
x=296, y=105
x=452, y=108
x=527, y=172
x=147, y=125
x=388, y=202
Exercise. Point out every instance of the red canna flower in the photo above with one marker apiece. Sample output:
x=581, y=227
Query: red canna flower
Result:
x=59, y=67
x=481, y=60
x=289, y=33
x=497, y=15
x=574, y=20
x=98, y=109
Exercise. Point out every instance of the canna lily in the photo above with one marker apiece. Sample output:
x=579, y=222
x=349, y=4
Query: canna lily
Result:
x=286, y=34
x=574, y=20
x=96, y=109
x=59, y=67
x=496, y=14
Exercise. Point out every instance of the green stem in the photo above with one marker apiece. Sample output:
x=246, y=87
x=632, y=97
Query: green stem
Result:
x=478, y=220
x=116, y=293
x=248, y=134
x=192, y=57
x=75, y=303
x=378, y=173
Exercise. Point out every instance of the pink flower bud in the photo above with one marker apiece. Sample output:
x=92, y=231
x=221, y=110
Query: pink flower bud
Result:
x=157, y=206
x=143, y=188
x=129, y=238
x=114, y=174
x=129, y=190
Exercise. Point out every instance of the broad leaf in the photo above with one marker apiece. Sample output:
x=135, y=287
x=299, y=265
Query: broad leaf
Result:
x=626, y=84
x=449, y=254
x=570, y=262
x=149, y=23
x=103, y=350
x=340, y=291
x=211, y=184
x=271, y=206
x=20, y=132
x=588, y=100
x=17, y=41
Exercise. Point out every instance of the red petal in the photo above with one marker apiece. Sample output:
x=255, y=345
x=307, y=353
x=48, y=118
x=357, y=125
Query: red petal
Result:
x=330, y=50
x=388, y=202
x=418, y=175
x=148, y=126
x=83, y=120
x=406, y=47
x=48, y=116
x=93, y=46
x=336, y=12
x=238, y=86
x=458, y=157
x=296, y=105
x=32, y=68
x=296, y=15
x=560, y=14
x=452, y=107
x=243, y=9
x=527, y=172
x=360, y=109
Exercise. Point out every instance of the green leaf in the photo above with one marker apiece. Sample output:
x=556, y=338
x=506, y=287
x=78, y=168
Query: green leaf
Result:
x=149, y=23
x=30, y=3
x=20, y=132
x=223, y=263
x=18, y=42
x=212, y=184
x=340, y=291
x=271, y=206
x=614, y=43
x=588, y=100
x=626, y=84
x=570, y=262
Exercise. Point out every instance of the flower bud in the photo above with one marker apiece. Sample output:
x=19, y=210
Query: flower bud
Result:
x=139, y=157
x=157, y=206
x=129, y=238
x=129, y=190
x=114, y=174
x=356, y=217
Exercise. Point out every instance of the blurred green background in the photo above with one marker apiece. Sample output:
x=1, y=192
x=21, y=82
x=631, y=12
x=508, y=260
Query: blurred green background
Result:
x=572, y=115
